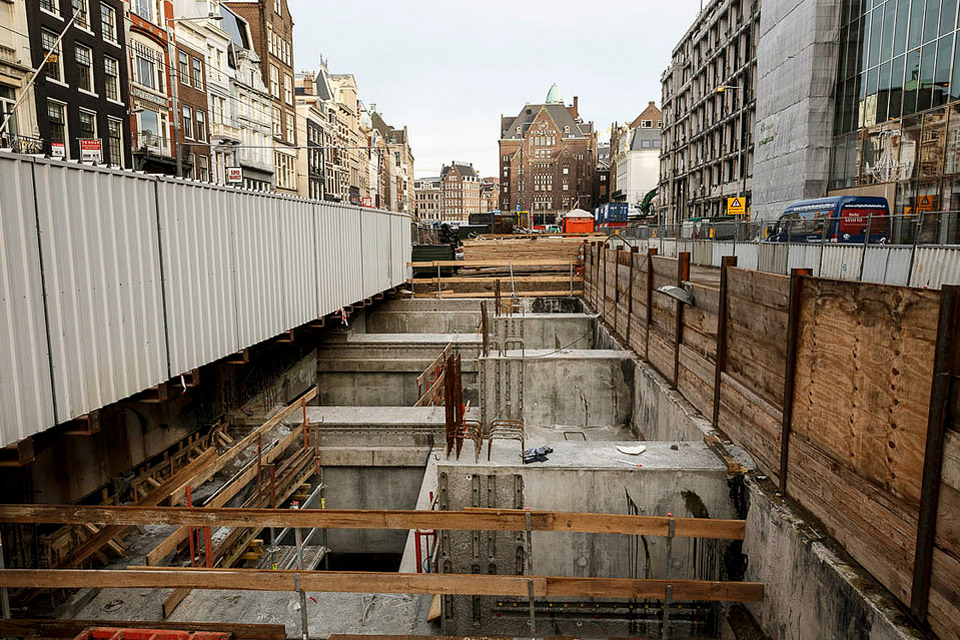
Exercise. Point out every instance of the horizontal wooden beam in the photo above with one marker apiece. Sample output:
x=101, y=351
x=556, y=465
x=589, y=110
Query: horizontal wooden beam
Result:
x=473, y=264
x=357, y=582
x=68, y=628
x=474, y=520
x=560, y=293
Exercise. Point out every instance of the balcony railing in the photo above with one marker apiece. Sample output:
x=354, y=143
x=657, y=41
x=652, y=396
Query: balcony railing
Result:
x=8, y=54
x=21, y=144
x=224, y=131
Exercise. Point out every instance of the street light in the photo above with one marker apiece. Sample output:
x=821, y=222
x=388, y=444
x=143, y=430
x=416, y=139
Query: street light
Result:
x=175, y=84
x=743, y=174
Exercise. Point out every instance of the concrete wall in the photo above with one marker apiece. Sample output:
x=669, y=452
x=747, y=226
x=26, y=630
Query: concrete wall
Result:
x=662, y=413
x=419, y=315
x=684, y=479
x=573, y=387
x=357, y=369
x=814, y=591
x=362, y=487
x=796, y=73
x=544, y=330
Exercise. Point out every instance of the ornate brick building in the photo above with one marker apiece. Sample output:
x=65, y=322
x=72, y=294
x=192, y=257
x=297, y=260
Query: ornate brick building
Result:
x=548, y=158
x=460, y=191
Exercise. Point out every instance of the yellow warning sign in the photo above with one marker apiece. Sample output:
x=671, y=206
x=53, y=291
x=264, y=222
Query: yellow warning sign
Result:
x=736, y=206
x=926, y=203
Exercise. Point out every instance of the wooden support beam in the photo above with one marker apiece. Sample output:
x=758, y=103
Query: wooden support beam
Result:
x=472, y=520
x=477, y=264
x=565, y=293
x=372, y=582
x=941, y=414
x=236, y=484
x=725, y=263
x=69, y=628
x=285, y=338
x=793, y=327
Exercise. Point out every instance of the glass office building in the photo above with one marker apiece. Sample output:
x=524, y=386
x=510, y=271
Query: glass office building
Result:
x=897, y=124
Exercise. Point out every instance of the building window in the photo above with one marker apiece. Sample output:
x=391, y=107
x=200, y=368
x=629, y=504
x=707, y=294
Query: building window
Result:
x=115, y=141
x=54, y=68
x=201, y=126
x=277, y=123
x=149, y=124
x=291, y=125
x=646, y=124
x=111, y=73
x=88, y=125
x=285, y=170
x=84, y=68
x=50, y=6
x=288, y=89
x=278, y=7
x=146, y=63
x=203, y=167
x=183, y=67
x=57, y=117
x=108, y=23
x=143, y=8
x=187, y=122
x=197, y=74
x=274, y=81
x=81, y=8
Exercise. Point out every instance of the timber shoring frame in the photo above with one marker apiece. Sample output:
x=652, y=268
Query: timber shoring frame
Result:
x=472, y=520
x=374, y=582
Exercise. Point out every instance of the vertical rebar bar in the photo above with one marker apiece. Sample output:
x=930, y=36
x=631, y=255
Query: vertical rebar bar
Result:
x=304, y=628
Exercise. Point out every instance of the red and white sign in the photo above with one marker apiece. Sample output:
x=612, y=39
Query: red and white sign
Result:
x=91, y=150
x=234, y=175
x=58, y=150
x=366, y=202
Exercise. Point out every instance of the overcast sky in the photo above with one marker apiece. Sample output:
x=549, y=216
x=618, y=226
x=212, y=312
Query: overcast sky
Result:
x=448, y=69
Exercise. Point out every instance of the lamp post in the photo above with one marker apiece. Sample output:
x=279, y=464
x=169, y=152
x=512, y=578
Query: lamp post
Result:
x=173, y=64
x=743, y=173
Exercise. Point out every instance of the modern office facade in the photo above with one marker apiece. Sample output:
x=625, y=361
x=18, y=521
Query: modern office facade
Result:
x=897, y=124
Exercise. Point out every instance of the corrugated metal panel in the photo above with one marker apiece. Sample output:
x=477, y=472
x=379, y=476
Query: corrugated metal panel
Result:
x=747, y=255
x=298, y=228
x=352, y=251
x=102, y=271
x=260, y=303
x=719, y=250
x=702, y=253
x=803, y=256
x=772, y=257
x=329, y=265
x=668, y=248
x=841, y=261
x=934, y=267
x=26, y=397
x=199, y=272
x=375, y=227
x=887, y=265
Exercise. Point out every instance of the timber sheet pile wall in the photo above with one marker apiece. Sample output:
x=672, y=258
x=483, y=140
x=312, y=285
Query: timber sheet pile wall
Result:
x=112, y=282
x=861, y=403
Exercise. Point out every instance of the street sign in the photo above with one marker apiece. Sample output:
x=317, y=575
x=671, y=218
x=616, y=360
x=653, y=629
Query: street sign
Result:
x=366, y=201
x=91, y=150
x=736, y=206
x=234, y=175
x=926, y=203
x=58, y=150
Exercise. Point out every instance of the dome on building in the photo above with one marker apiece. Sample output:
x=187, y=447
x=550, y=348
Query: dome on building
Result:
x=553, y=96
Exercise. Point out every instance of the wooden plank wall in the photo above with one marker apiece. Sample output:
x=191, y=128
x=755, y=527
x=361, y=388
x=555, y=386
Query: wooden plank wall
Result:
x=662, y=337
x=751, y=388
x=698, y=348
x=861, y=404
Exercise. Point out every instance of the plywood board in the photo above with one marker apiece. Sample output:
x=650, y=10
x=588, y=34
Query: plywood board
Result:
x=863, y=378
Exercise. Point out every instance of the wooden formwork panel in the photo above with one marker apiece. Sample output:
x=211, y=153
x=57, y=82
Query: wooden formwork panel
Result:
x=865, y=356
x=757, y=332
x=751, y=422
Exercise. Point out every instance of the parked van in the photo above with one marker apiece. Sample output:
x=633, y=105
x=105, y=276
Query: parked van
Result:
x=841, y=218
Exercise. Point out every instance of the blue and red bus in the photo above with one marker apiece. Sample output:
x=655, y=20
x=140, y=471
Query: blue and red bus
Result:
x=841, y=219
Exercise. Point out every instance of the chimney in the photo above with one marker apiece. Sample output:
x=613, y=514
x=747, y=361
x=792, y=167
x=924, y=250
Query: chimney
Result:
x=576, y=102
x=652, y=103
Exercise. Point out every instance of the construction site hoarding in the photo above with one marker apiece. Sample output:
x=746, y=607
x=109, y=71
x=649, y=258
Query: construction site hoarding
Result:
x=113, y=282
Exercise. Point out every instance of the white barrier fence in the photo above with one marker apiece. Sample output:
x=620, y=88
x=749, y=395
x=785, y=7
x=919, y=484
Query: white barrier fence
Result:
x=112, y=282
x=913, y=265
